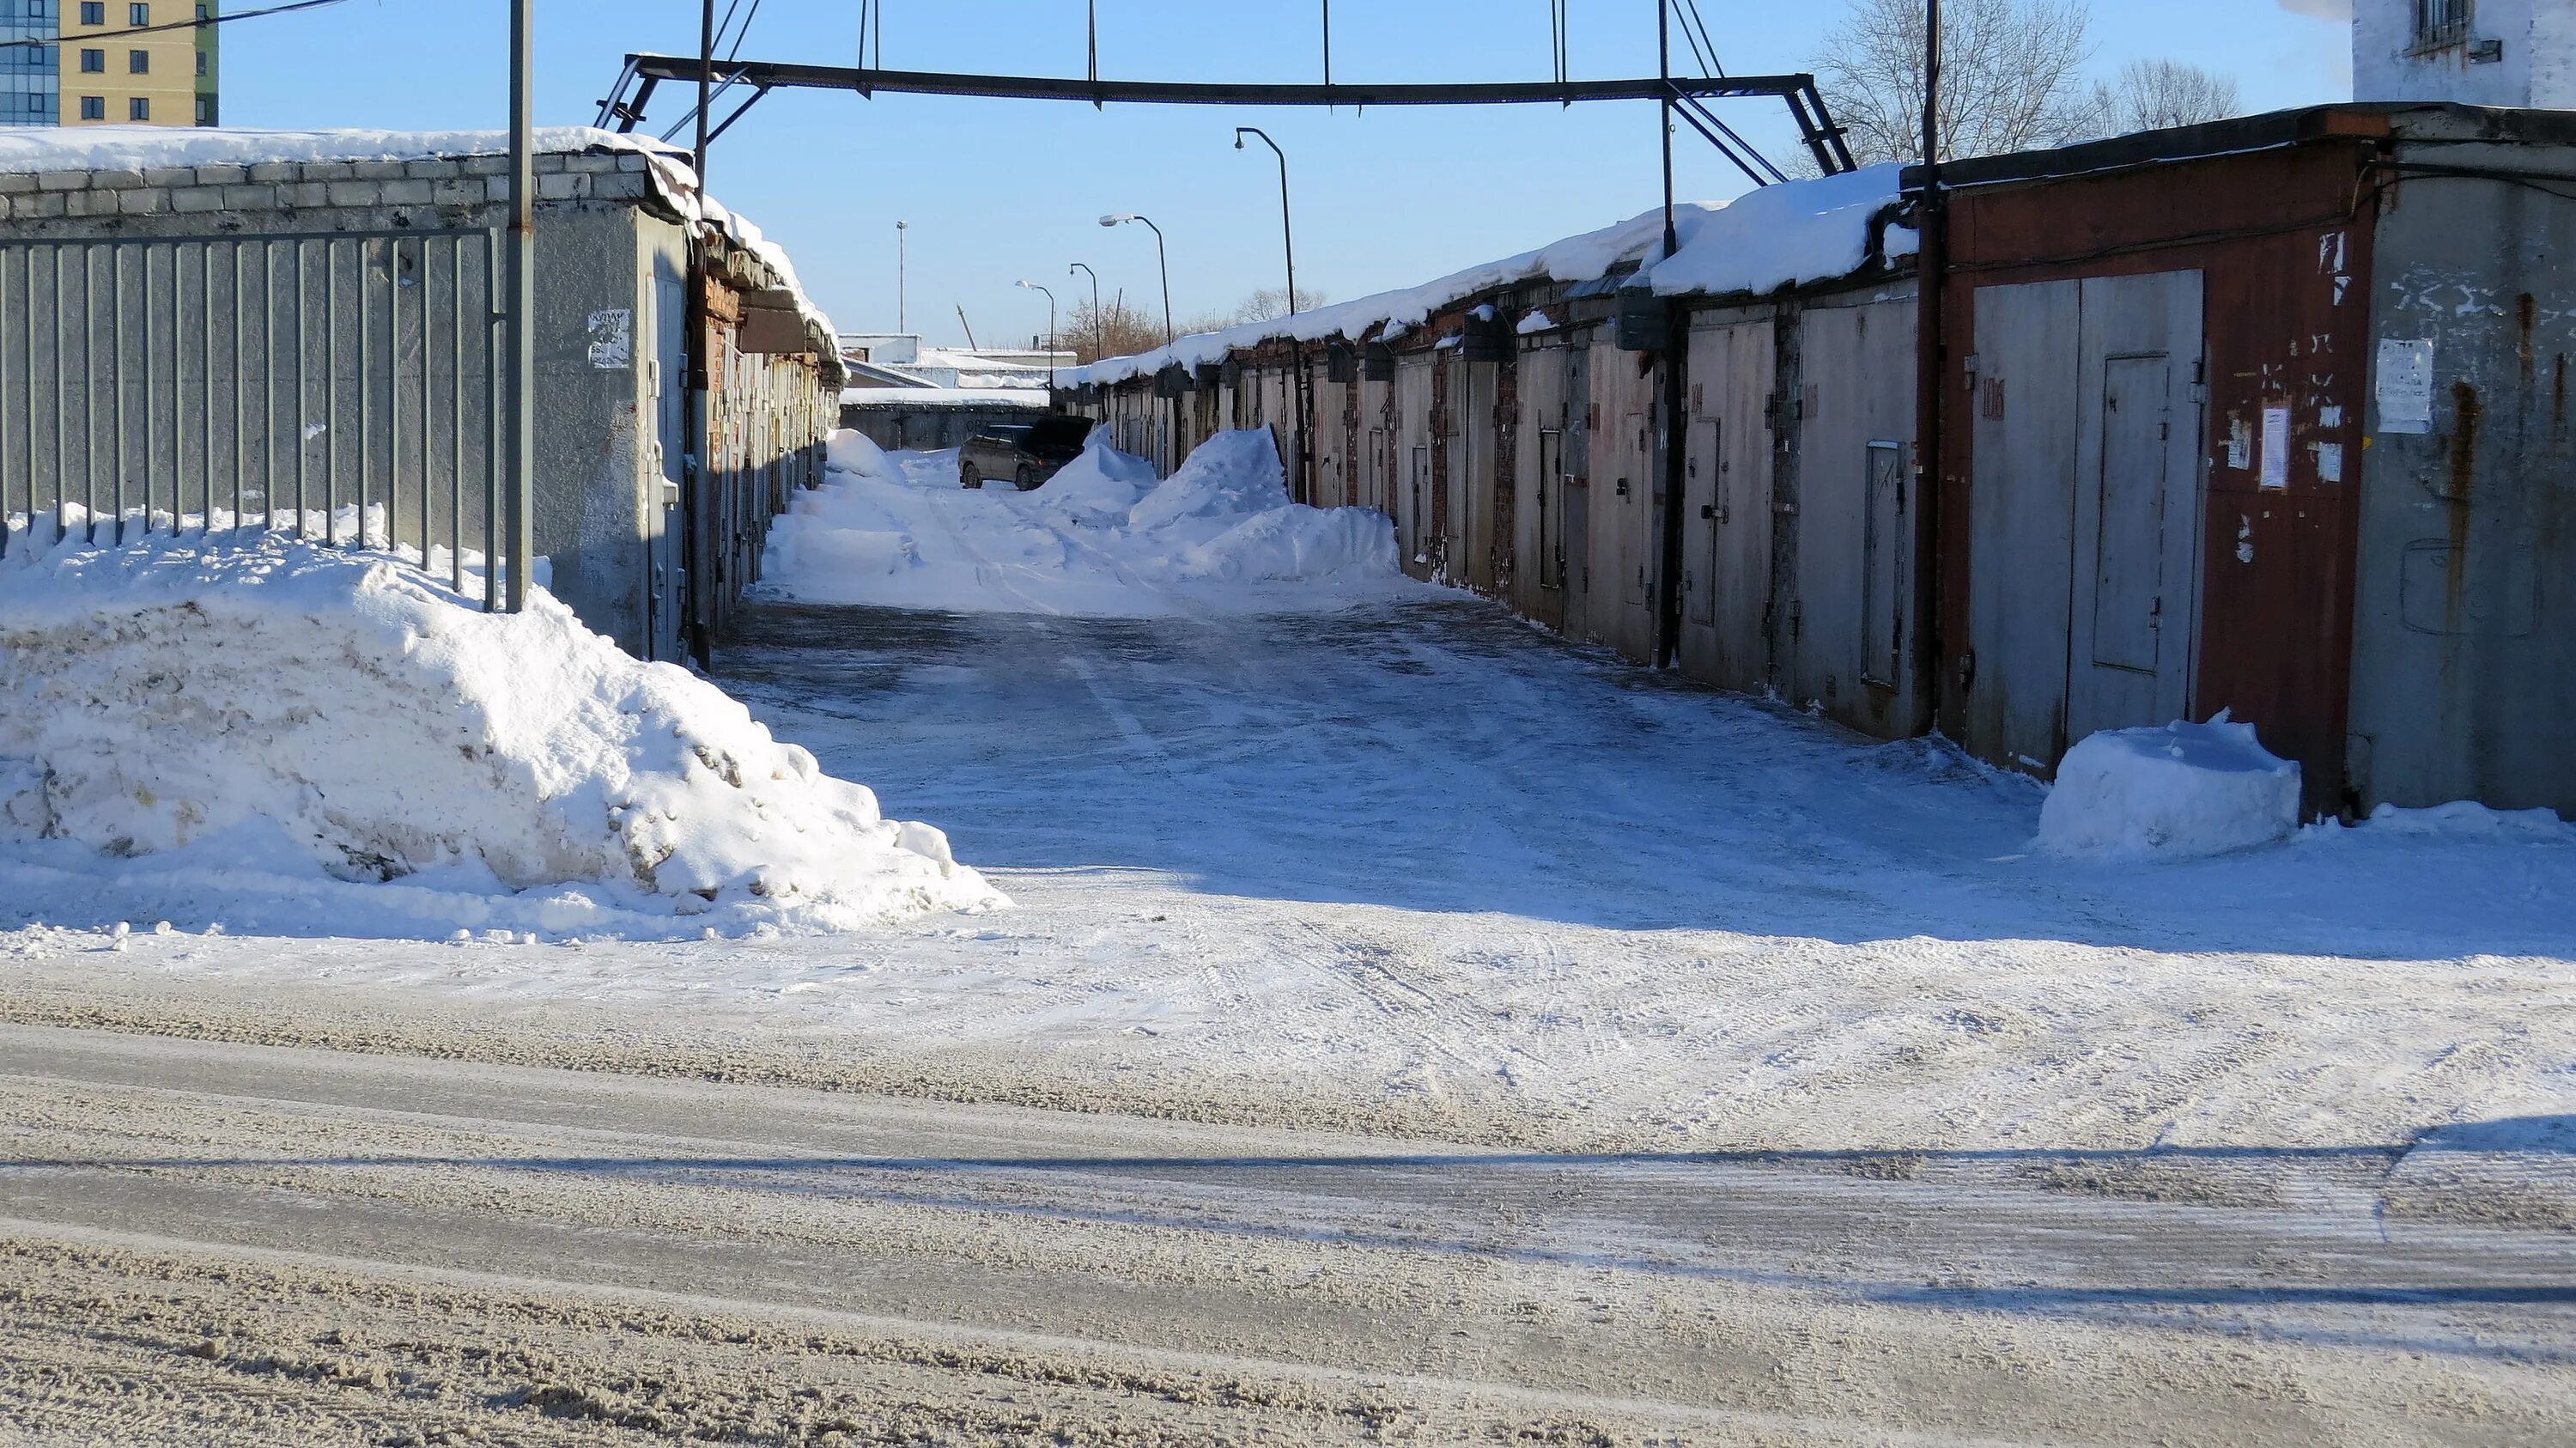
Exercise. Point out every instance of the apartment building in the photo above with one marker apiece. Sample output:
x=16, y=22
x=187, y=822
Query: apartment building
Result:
x=108, y=62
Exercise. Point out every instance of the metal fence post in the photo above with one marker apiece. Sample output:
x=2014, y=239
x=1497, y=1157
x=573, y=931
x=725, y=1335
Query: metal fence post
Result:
x=523, y=297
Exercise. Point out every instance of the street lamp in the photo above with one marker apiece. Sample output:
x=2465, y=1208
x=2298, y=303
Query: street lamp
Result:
x=1286, y=225
x=1301, y=460
x=902, y=322
x=1162, y=254
x=1050, y=296
x=1096, y=333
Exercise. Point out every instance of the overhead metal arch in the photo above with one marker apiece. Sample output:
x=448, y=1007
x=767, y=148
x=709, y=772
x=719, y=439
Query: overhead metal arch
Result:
x=625, y=107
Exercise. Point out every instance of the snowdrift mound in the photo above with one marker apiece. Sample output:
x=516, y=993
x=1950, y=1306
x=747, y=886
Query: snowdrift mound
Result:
x=222, y=701
x=856, y=453
x=2467, y=820
x=2176, y=793
x=1099, y=488
x=1100, y=538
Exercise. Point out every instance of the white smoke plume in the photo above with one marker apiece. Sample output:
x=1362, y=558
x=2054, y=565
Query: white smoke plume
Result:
x=2321, y=9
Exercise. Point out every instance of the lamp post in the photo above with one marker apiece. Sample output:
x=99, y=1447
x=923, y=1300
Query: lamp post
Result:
x=1287, y=223
x=1050, y=296
x=1162, y=254
x=902, y=321
x=1296, y=354
x=1096, y=333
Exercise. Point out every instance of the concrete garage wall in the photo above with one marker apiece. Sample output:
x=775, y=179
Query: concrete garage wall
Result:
x=613, y=262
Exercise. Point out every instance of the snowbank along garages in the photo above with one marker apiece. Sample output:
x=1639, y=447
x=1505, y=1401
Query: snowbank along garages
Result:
x=2268, y=416
x=289, y=324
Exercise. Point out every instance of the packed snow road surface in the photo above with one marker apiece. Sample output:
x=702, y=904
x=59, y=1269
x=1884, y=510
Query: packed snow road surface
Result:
x=1415, y=868
x=218, y=1244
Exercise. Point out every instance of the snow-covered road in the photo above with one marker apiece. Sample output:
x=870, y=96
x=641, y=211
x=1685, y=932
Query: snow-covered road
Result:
x=212, y=1244
x=1415, y=867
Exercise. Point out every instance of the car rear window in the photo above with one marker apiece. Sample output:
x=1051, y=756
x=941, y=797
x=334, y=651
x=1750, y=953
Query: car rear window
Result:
x=1059, y=432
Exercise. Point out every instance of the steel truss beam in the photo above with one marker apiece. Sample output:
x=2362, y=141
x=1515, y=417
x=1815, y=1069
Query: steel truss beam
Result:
x=624, y=109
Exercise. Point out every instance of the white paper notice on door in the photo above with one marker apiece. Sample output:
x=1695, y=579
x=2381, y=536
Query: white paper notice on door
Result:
x=2405, y=386
x=2276, y=447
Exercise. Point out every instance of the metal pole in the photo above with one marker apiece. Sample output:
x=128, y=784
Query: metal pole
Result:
x=521, y=469
x=1664, y=70
x=706, y=85
x=1296, y=353
x=1050, y=296
x=1930, y=367
x=1096, y=333
x=1163, y=255
x=902, y=322
x=1287, y=219
x=1675, y=430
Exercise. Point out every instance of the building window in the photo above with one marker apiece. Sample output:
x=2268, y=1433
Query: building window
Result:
x=2441, y=22
x=93, y=108
x=138, y=109
x=93, y=12
x=201, y=62
x=205, y=110
x=93, y=62
x=138, y=62
x=138, y=13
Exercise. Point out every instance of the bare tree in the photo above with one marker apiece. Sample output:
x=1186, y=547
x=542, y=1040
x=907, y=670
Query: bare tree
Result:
x=1124, y=331
x=2009, y=77
x=1116, y=330
x=1264, y=305
x=2156, y=95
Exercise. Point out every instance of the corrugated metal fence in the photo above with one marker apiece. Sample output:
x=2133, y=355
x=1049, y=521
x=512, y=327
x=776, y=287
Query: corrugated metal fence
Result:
x=340, y=385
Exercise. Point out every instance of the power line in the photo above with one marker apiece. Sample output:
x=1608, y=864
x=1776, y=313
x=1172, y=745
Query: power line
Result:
x=181, y=24
x=1716, y=70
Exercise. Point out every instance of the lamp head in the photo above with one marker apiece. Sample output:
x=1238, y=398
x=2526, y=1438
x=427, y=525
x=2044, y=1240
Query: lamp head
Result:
x=1114, y=220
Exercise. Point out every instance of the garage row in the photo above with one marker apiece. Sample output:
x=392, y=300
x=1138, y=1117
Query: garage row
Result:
x=2267, y=416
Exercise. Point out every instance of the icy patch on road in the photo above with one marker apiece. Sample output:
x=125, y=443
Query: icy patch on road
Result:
x=1102, y=538
x=2176, y=793
x=249, y=717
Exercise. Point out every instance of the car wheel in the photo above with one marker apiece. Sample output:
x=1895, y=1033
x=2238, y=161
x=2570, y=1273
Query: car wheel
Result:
x=1028, y=477
x=968, y=477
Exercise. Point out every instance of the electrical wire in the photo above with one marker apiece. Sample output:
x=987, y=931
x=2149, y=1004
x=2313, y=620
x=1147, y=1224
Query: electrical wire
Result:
x=179, y=24
x=1715, y=70
x=745, y=33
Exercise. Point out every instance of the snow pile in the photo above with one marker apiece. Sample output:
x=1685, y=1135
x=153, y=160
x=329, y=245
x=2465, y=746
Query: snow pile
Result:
x=275, y=714
x=2469, y=820
x=2175, y=793
x=1101, y=488
x=1101, y=538
x=856, y=454
x=1776, y=236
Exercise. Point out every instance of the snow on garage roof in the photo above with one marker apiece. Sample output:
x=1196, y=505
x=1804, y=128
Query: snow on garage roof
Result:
x=1784, y=235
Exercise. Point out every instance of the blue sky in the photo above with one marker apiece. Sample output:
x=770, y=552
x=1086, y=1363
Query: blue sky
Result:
x=996, y=191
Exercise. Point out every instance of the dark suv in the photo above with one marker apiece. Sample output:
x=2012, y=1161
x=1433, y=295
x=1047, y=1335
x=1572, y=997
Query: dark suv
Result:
x=1028, y=453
